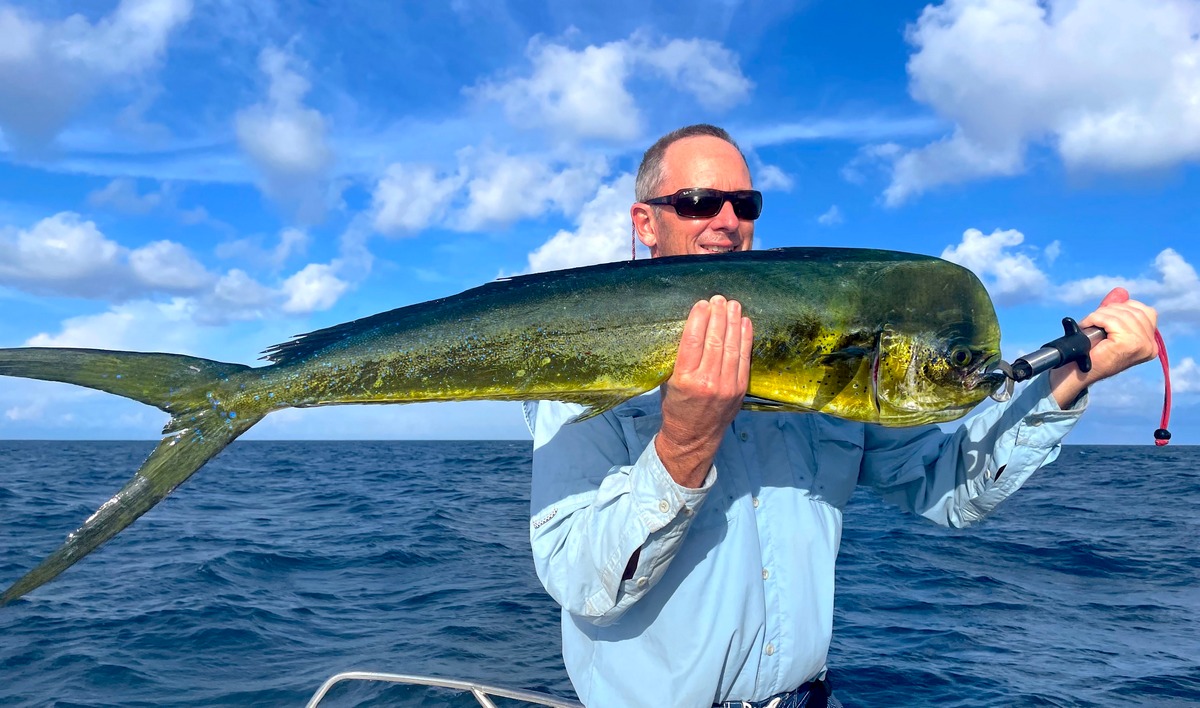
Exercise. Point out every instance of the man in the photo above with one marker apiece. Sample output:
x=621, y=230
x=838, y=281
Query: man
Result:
x=690, y=544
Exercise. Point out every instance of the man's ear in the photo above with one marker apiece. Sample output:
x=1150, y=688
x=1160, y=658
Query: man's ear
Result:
x=644, y=224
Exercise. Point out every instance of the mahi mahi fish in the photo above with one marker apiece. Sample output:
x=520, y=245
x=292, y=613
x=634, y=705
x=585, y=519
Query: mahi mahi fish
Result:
x=875, y=336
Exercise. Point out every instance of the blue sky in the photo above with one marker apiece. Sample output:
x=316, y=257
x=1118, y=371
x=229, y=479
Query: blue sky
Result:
x=213, y=177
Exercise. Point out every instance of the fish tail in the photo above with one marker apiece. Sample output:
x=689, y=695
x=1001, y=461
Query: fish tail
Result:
x=197, y=431
x=165, y=381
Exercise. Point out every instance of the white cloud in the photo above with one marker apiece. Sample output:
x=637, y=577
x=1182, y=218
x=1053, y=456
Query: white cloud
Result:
x=286, y=140
x=771, y=177
x=1185, y=377
x=584, y=94
x=870, y=158
x=49, y=70
x=313, y=288
x=1010, y=277
x=824, y=129
x=603, y=234
x=578, y=94
x=488, y=189
x=168, y=266
x=832, y=217
x=292, y=242
x=505, y=188
x=67, y=255
x=122, y=195
x=1111, y=84
x=700, y=67
x=950, y=160
x=33, y=411
x=236, y=296
x=59, y=250
x=1174, y=291
x=64, y=255
x=410, y=198
x=140, y=325
x=1052, y=252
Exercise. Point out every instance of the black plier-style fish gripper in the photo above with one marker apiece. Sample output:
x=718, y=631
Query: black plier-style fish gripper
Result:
x=1075, y=346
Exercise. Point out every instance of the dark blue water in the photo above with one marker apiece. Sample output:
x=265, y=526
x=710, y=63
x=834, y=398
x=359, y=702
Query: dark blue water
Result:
x=280, y=564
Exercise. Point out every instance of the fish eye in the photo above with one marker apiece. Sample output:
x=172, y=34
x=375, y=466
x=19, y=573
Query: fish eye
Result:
x=961, y=356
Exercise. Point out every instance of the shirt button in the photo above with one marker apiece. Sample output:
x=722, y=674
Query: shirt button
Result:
x=663, y=506
x=770, y=649
x=641, y=582
x=754, y=501
x=687, y=511
x=766, y=573
x=744, y=436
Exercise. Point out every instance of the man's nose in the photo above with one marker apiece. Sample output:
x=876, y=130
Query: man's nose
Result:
x=725, y=220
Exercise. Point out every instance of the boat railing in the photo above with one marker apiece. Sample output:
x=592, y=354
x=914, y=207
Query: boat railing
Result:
x=482, y=693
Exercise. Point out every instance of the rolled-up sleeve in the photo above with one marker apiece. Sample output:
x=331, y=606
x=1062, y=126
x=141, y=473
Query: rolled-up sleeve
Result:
x=955, y=479
x=595, y=501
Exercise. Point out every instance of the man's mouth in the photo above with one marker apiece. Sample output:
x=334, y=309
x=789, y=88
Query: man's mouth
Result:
x=718, y=249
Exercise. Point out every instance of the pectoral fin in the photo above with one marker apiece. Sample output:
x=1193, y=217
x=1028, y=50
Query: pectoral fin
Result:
x=601, y=402
x=846, y=355
x=754, y=403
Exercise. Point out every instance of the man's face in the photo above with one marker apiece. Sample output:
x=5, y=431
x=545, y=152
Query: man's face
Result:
x=699, y=161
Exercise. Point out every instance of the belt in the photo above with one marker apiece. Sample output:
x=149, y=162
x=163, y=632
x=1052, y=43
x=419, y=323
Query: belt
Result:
x=810, y=694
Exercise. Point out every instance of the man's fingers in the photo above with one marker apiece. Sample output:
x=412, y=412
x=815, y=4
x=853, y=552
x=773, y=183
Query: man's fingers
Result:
x=743, y=372
x=1129, y=315
x=1130, y=326
x=714, y=340
x=714, y=351
x=1115, y=296
x=732, y=349
x=691, y=345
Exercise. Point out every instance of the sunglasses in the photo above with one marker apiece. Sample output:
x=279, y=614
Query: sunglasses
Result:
x=699, y=203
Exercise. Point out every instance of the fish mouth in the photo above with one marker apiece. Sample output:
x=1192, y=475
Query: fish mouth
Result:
x=875, y=372
x=988, y=376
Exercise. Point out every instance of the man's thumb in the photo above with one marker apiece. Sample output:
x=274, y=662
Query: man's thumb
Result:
x=1114, y=296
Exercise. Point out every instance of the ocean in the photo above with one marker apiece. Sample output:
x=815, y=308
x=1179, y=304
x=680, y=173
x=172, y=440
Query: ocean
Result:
x=282, y=563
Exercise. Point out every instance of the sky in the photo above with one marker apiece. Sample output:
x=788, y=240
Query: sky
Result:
x=212, y=177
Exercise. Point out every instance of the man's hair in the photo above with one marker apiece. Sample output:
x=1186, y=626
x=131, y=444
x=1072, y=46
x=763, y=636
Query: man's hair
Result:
x=650, y=172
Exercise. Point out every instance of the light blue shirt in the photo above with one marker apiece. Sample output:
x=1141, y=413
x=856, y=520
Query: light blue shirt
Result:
x=732, y=595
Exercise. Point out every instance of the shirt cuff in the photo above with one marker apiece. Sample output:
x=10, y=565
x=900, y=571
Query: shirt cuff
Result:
x=662, y=499
x=1036, y=441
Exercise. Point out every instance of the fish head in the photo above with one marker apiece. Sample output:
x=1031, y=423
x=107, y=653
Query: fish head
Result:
x=935, y=376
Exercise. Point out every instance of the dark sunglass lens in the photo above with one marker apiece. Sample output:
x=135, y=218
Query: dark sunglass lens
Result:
x=699, y=205
x=747, y=206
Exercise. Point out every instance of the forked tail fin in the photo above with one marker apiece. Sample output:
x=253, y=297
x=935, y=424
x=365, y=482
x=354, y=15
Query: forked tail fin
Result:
x=174, y=383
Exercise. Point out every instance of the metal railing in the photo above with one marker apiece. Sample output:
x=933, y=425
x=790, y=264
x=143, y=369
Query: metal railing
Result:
x=480, y=691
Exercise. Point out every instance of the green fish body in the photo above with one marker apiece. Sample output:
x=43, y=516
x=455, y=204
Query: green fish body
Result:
x=874, y=336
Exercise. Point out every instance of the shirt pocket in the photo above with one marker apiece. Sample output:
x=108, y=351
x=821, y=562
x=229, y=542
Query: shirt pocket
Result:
x=839, y=447
x=825, y=455
x=639, y=426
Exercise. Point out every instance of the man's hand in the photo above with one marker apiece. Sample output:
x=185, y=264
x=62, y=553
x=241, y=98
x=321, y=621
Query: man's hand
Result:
x=1129, y=326
x=705, y=392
